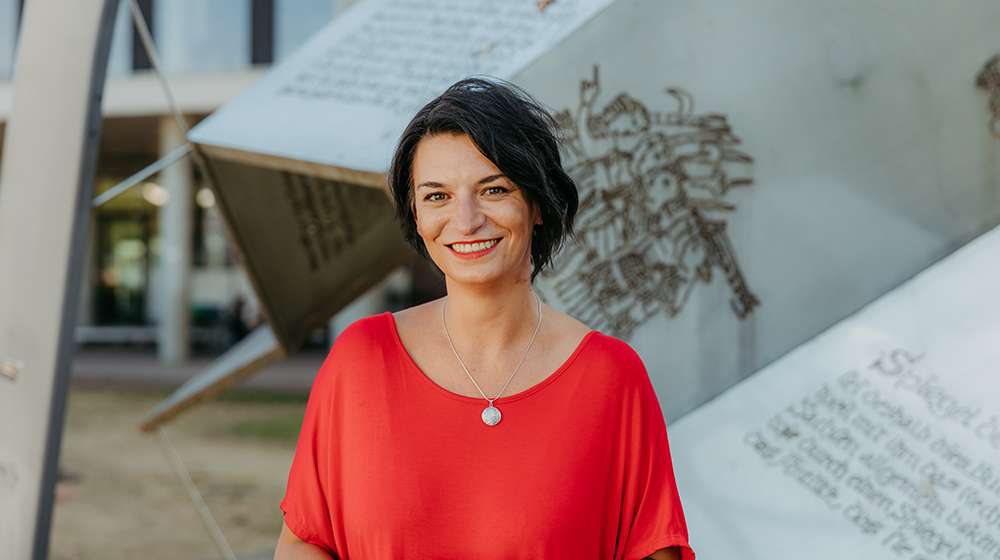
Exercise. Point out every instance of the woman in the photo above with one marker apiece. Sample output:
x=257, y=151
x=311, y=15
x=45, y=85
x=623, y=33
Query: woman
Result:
x=485, y=424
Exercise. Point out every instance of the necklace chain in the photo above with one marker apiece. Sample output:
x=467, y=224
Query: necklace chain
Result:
x=448, y=336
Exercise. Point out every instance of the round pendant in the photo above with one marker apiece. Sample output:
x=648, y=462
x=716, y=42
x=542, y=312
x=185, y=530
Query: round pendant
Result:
x=491, y=415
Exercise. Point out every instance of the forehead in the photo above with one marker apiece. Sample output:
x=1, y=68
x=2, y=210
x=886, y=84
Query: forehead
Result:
x=448, y=158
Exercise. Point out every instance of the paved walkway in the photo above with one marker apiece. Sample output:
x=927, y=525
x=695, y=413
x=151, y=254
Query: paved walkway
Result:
x=128, y=368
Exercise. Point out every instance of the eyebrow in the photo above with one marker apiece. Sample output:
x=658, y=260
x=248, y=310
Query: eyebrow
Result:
x=483, y=181
x=491, y=178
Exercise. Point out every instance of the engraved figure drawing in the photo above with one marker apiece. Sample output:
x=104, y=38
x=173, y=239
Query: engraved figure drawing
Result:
x=653, y=202
x=988, y=80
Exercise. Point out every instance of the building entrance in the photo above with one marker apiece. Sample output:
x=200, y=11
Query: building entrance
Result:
x=123, y=255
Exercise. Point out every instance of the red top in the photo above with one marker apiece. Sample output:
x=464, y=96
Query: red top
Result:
x=390, y=465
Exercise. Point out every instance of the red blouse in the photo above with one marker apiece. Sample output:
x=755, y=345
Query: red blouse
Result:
x=389, y=465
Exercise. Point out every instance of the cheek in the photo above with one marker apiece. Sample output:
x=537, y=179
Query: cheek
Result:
x=421, y=228
x=425, y=224
x=522, y=217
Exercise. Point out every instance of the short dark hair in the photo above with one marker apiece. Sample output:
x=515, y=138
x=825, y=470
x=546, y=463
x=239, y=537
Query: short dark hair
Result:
x=513, y=131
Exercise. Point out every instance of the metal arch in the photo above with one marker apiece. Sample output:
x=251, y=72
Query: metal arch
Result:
x=145, y=173
x=47, y=181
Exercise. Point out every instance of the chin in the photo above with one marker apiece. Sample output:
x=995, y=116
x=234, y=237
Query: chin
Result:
x=484, y=277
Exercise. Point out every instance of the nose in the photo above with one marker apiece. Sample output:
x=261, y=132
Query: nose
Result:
x=468, y=215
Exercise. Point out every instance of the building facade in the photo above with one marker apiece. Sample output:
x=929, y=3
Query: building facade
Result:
x=159, y=269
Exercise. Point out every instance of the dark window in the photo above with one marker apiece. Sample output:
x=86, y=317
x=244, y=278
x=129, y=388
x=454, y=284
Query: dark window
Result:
x=140, y=60
x=262, y=31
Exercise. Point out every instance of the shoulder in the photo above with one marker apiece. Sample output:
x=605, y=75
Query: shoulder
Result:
x=614, y=350
x=613, y=358
x=592, y=349
x=364, y=333
x=357, y=346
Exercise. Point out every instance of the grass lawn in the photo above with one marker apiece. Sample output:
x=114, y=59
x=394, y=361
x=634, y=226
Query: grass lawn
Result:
x=120, y=500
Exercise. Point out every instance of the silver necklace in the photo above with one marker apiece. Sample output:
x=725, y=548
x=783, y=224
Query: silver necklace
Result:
x=491, y=414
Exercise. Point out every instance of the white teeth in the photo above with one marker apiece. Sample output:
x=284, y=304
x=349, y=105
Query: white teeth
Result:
x=473, y=247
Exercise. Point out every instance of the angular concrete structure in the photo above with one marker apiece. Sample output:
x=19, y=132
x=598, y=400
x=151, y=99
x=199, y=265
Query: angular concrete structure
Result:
x=751, y=173
x=879, y=438
x=299, y=160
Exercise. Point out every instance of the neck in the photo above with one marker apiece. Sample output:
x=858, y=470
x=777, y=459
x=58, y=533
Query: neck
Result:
x=485, y=324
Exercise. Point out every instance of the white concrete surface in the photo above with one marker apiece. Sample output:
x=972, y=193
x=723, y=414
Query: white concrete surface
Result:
x=878, y=439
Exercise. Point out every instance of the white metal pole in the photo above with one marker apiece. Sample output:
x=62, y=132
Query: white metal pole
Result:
x=194, y=495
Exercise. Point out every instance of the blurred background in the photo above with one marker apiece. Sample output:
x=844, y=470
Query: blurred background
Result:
x=212, y=50
x=117, y=497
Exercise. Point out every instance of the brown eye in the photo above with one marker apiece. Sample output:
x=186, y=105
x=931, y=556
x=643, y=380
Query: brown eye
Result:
x=434, y=197
x=496, y=190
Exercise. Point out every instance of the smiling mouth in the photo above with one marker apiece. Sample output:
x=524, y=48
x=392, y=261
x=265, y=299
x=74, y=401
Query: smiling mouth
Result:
x=475, y=247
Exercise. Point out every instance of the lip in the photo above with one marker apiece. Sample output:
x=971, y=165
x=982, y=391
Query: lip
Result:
x=477, y=254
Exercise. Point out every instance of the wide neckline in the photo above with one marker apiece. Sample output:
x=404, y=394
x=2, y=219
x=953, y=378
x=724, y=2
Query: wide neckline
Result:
x=479, y=400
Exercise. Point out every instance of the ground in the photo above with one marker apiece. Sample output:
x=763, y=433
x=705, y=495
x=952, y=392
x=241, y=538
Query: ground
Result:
x=120, y=500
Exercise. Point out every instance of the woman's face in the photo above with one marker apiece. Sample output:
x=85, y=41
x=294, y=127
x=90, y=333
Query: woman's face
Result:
x=475, y=223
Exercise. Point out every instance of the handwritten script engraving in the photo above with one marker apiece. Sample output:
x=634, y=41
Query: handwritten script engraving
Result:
x=329, y=216
x=408, y=51
x=862, y=446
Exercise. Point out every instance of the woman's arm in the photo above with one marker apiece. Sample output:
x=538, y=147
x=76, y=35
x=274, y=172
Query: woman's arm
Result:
x=672, y=553
x=291, y=547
